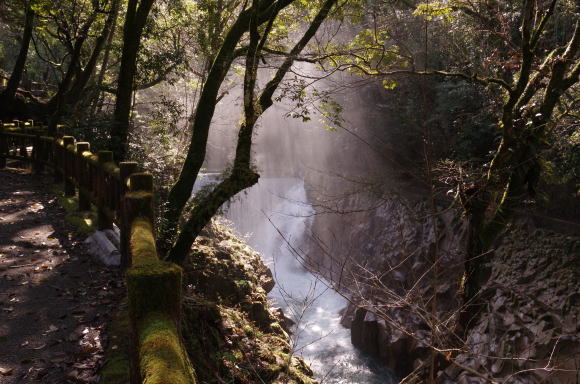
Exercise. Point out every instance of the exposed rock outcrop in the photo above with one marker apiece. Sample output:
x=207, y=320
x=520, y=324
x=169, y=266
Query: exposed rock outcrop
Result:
x=528, y=333
x=375, y=336
x=231, y=333
x=530, y=330
x=391, y=283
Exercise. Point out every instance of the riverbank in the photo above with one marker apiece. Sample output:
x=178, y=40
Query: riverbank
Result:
x=275, y=216
x=230, y=331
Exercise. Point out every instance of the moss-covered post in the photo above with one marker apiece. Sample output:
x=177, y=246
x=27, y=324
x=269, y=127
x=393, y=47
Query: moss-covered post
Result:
x=69, y=186
x=157, y=282
x=84, y=197
x=3, y=147
x=139, y=204
x=141, y=182
x=154, y=292
x=104, y=220
x=139, y=207
x=126, y=169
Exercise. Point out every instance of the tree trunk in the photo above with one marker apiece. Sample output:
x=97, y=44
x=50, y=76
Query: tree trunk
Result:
x=10, y=91
x=59, y=100
x=74, y=95
x=239, y=180
x=516, y=168
x=98, y=106
x=134, y=23
x=180, y=193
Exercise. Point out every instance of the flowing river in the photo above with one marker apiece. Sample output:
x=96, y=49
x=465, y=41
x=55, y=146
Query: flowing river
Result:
x=275, y=217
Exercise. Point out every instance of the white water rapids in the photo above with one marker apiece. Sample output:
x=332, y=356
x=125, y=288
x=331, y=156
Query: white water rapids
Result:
x=275, y=218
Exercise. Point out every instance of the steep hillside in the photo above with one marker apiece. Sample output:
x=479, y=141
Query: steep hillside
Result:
x=230, y=331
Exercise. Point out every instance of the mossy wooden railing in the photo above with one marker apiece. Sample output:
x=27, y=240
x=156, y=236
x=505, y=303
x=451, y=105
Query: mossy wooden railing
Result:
x=154, y=288
x=125, y=198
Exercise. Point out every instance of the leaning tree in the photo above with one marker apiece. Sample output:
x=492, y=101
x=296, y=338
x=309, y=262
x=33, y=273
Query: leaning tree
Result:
x=248, y=37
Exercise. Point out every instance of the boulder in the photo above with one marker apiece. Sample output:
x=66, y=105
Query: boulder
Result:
x=104, y=247
x=284, y=321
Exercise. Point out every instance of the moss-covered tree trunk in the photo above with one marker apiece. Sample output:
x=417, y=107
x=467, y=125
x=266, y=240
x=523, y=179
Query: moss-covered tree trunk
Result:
x=242, y=175
x=180, y=192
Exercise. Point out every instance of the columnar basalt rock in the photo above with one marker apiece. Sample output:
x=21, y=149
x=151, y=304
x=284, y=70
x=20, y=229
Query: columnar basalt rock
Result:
x=388, y=273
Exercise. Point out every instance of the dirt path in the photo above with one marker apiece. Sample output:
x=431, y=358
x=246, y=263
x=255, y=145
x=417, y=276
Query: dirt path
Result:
x=55, y=301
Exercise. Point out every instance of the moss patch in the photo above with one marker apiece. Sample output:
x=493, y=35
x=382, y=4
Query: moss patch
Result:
x=154, y=290
x=229, y=331
x=162, y=358
x=154, y=287
x=143, y=250
x=84, y=222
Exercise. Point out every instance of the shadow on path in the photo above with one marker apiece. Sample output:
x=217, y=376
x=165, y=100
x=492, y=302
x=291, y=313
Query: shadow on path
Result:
x=55, y=301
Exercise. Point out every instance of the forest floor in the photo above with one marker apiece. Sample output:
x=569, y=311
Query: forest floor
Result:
x=55, y=301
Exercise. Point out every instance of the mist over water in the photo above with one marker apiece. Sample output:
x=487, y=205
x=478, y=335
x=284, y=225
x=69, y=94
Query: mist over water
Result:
x=293, y=147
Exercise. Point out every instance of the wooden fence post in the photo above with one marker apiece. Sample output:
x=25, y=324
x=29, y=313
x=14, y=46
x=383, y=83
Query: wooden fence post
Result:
x=126, y=169
x=38, y=154
x=56, y=161
x=69, y=186
x=81, y=172
x=3, y=147
x=139, y=204
x=104, y=221
x=141, y=182
x=23, y=151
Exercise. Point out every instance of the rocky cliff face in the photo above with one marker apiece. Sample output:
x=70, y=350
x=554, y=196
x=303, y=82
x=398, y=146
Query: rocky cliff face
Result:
x=399, y=257
x=397, y=252
x=530, y=330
